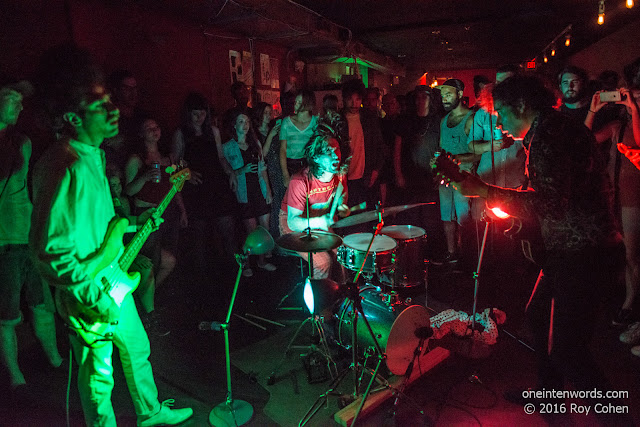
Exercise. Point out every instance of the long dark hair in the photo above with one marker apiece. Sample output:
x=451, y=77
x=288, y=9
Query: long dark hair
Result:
x=195, y=101
x=251, y=135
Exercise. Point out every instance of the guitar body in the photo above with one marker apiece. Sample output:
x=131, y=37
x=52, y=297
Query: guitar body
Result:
x=104, y=268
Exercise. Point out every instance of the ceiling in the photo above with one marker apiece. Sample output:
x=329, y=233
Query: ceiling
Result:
x=427, y=35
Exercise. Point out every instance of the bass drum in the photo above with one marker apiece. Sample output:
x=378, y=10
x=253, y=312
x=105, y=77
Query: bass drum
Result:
x=394, y=327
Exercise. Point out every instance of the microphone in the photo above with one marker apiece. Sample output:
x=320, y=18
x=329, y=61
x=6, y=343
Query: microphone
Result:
x=210, y=326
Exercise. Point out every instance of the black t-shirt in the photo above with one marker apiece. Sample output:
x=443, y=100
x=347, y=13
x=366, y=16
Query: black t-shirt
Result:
x=579, y=114
x=420, y=141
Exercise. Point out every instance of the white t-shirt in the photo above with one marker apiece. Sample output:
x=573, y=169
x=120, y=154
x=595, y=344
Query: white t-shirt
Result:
x=296, y=138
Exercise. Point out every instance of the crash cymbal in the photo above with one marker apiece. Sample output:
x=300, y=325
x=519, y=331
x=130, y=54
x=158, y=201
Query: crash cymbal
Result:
x=317, y=241
x=373, y=215
x=404, y=337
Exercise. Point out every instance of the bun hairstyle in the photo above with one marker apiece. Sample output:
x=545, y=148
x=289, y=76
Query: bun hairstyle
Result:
x=330, y=126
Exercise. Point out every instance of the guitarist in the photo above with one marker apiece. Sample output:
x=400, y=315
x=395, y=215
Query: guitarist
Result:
x=72, y=209
x=570, y=200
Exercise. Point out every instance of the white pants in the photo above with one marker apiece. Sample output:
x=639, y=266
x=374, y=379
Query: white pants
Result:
x=95, y=375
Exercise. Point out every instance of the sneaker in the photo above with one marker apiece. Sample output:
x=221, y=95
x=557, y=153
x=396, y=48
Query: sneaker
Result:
x=624, y=317
x=631, y=335
x=267, y=266
x=248, y=272
x=167, y=416
x=635, y=350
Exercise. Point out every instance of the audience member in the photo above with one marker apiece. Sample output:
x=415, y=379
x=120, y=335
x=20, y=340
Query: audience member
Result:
x=148, y=183
x=573, y=86
x=365, y=139
x=454, y=132
x=329, y=104
x=17, y=273
x=244, y=154
x=295, y=133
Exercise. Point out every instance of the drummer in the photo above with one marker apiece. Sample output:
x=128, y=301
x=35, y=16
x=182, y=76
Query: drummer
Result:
x=322, y=186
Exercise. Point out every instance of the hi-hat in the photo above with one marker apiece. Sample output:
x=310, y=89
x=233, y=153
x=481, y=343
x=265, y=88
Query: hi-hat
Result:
x=373, y=215
x=316, y=241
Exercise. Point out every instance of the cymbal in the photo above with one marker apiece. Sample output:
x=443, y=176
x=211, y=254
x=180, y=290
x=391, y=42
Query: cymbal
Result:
x=361, y=218
x=316, y=241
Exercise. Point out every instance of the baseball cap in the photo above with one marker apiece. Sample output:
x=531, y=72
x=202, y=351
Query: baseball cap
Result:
x=454, y=83
x=423, y=88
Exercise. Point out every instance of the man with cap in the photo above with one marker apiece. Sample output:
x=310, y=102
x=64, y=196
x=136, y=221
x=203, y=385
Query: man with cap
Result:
x=17, y=272
x=454, y=132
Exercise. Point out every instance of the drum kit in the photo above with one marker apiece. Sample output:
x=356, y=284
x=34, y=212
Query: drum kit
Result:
x=376, y=318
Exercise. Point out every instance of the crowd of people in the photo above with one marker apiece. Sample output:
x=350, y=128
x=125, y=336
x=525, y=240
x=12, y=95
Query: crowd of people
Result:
x=581, y=157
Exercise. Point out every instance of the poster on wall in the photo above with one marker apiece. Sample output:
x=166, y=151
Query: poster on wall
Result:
x=247, y=69
x=265, y=70
x=275, y=73
x=235, y=66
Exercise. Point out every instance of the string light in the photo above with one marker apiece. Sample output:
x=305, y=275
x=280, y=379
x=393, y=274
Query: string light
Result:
x=600, y=12
x=553, y=51
x=567, y=40
x=629, y=4
x=545, y=59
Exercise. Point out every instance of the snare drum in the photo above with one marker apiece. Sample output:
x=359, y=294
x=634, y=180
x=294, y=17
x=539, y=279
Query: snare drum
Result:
x=410, y=268
x=354, y=248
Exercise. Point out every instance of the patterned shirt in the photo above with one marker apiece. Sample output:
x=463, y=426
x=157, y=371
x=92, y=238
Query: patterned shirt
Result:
x=570, y=196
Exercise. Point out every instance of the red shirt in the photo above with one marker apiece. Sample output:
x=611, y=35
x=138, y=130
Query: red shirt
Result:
x=320, y=193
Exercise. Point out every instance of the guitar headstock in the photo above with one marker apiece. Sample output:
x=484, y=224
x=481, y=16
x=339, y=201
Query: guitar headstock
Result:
x=447, y=168
x=179, y=175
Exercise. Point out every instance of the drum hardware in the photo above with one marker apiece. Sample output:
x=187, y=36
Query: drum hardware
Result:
x=373, y=215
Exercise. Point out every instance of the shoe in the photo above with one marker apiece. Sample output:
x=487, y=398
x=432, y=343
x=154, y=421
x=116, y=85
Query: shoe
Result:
x=635, y=350
x=631, y=335
x=248, y=272
x=267, y=266
x=167, y=416
x=624, y=317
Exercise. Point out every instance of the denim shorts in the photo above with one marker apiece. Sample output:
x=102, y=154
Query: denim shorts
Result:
x=18, y=276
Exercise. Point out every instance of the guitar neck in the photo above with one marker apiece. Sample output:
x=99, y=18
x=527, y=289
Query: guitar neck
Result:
x=133, y=248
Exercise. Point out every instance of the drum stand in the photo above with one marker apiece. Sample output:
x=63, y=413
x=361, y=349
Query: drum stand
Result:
x=353, y=294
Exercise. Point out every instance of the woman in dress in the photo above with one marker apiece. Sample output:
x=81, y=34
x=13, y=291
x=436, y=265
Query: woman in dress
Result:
x=253, y=193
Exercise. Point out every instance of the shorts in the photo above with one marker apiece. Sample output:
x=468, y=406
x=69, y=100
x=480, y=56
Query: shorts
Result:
x=18, y=274
x=453, y=205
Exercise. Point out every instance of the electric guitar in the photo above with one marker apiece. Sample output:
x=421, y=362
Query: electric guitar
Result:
x=528, y=233
x=109, y=268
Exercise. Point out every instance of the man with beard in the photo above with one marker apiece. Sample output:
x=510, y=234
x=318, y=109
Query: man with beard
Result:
x=454, y=132
x=573, y=84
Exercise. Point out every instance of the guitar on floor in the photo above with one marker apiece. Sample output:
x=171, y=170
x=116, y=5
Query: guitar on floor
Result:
x=527, y=233
x=109, y=268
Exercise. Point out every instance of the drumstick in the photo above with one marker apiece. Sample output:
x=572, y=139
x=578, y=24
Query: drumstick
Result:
x=359, y=207
x=337, y=200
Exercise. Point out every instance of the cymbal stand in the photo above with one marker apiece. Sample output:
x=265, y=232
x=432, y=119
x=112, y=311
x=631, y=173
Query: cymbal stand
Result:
x=407, y=375
x=476, y=274
x=353, y=294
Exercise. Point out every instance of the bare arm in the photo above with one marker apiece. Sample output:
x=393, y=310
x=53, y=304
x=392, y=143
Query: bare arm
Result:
x=298, y=222
x=134, y=179
x=283, y=162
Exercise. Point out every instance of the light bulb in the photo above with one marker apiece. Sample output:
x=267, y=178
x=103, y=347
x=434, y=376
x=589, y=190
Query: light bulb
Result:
x=553, y=52
x=600, y=18
x=629, y=4
x=545, y=59
x=567, y=41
